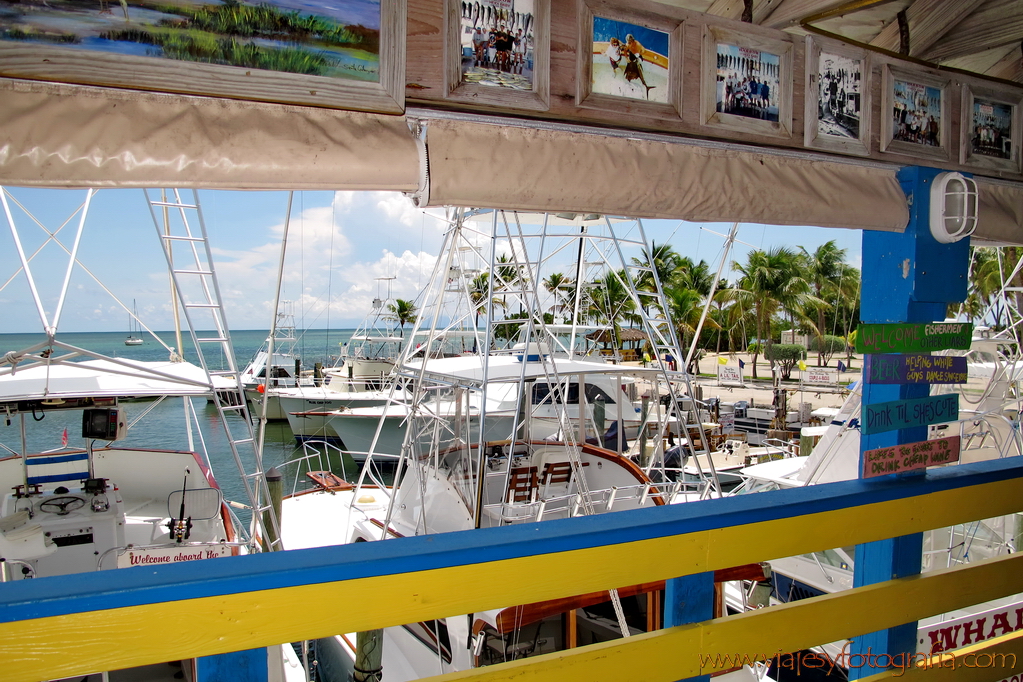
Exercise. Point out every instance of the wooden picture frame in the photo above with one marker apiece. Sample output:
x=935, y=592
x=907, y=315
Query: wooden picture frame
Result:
x=646, y=81
x=992, y=122
x=837, y=99
x=515, y=78
x=385, y=94
x=741, y=61
x=908, y=108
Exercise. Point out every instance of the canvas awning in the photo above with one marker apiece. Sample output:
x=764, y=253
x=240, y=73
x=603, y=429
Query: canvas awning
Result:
x=70, y=135
x=572, y=168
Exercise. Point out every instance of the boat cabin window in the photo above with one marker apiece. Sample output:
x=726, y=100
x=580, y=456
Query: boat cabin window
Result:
x=542, y=394
x=433, y=634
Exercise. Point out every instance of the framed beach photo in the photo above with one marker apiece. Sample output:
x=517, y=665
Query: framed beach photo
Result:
x=992, y=119
x=837, y=102
x=914, y=113
x=497, y=52
x=629, y=61
x=348, y=55
x=747, y=82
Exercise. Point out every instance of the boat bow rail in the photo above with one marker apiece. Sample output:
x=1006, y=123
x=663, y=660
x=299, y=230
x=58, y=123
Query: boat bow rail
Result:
x=47, y=626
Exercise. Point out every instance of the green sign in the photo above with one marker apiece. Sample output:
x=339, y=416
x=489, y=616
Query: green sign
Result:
x=913, y=338
x=905, y=414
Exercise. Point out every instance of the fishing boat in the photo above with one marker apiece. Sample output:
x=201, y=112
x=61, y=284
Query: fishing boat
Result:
x=360, y=378
x=105, y=493
x=133, y=324
x=506, y=436
x=274, y=366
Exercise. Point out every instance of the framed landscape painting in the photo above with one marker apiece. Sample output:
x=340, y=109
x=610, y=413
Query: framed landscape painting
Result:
x=837, y=97
x=992, y=118
x=348, y=55
x=747, y=82
x=497, y=52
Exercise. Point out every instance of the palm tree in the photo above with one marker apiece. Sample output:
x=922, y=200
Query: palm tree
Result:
x=663, y=260
x=769, y=282
x=823, y=268
x=557, y=283
x=685, y=306
x=611, y=302
x=402, y=312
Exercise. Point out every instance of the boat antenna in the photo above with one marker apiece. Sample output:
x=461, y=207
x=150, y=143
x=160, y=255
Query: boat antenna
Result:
x=181, y=529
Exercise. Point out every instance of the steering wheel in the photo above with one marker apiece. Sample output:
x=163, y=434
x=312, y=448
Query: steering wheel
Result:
x=62, y=506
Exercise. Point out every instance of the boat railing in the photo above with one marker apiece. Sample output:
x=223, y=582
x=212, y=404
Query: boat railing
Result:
x=317, y=456
x=568, y=505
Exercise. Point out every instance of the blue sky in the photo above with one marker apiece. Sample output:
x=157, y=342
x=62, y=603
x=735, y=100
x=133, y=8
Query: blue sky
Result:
x=339, y=244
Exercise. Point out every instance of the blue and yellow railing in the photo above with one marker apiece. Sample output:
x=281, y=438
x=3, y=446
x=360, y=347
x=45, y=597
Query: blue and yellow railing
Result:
x=56, y=627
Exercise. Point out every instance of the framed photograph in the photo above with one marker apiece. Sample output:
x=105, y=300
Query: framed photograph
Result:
x=348, y=55
x=992, y=120
x=747, y=82
x=837, y=99
x=497, y=52
x=629, y=61
x=914, y=113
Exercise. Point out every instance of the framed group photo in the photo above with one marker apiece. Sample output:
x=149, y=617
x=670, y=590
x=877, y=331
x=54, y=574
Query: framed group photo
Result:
x=629, y=61
x=915, y=113
x=838, y=87
x=747, y=82
x=348, y=55
x=497, y=53
x=991, y=119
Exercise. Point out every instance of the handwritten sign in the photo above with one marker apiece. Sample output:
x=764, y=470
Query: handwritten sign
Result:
x=913, y=338
x=161, y=556
x=910, y=456
x=819, y=376
x=729, y=374
x=914, y=369
x=905, y=414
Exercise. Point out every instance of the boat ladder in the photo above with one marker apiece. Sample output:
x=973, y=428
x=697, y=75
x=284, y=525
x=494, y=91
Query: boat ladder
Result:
x=178, y=219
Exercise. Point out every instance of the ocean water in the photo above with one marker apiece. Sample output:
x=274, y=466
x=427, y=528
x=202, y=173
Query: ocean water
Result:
x=163, y=426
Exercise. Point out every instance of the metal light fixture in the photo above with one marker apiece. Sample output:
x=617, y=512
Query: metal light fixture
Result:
x=953, y=207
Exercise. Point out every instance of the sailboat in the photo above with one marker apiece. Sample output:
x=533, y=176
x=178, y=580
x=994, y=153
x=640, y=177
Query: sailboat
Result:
x=133, y=327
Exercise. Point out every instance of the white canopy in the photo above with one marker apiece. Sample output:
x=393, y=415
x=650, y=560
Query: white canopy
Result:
x=505, y=368
x=108, y=379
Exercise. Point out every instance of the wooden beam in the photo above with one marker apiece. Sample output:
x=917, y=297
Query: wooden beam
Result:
x=790, y=12
x=1009, y=67
x=929, y=20
x=729, y=9
x=763, y=9
x=999, y=22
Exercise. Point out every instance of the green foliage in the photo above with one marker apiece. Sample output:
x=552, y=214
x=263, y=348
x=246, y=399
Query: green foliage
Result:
x=786, y=355
x=39, y=36
x=755, y=348
x=827, y=346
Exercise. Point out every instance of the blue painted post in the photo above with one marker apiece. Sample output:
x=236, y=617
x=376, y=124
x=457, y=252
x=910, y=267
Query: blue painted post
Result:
x=908, y=277
x=690, y=599
x=238, y=666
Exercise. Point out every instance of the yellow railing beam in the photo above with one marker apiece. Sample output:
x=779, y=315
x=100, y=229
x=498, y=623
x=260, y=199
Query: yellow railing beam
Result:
x=688, y=650
x=994, y=659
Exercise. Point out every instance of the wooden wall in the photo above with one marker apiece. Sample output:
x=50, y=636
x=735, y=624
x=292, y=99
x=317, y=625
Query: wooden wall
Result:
x=426, y=82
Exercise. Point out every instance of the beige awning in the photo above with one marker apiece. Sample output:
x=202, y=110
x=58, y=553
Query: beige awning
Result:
x=67, y=135
x=1000, y=215
x=549, y=169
